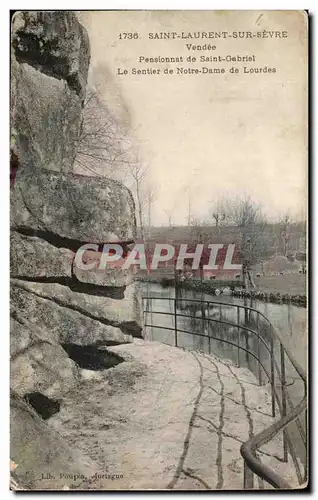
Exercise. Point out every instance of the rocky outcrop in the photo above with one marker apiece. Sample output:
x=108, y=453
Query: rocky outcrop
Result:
x=44, y=461
x=42, y=365
x=55, y=43
x=64, y=323
x=49, y=60
x=81, y=208
x=52, y=215
x=119, y=311
x=34, y=257
x=112, y=275
x=63, y=317
x=49, y=143
x=108, y=277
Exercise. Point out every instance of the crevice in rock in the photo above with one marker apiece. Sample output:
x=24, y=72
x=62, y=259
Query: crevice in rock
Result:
x=51, y=238
x=92, y=357
x=73, y=284
x=44, y=406
x=63, y=242
x=131, y=328
x=14, y=165
x=128, y=327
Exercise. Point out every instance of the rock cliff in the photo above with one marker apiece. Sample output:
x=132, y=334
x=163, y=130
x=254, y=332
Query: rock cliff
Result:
x=60, y=314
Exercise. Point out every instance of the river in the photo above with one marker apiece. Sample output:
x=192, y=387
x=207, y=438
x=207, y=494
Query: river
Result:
x=289, y=322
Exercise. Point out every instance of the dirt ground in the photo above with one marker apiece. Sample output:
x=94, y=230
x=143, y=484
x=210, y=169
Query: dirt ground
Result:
x=293, y=284
x=168, y=418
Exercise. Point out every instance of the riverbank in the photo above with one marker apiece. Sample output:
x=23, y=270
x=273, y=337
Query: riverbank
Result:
x=234, y=288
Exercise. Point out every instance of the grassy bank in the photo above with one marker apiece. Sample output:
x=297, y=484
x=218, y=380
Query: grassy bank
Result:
x=232, y=287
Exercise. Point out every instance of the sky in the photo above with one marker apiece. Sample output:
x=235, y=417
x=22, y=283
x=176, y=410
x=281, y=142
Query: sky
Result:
x=207, y=136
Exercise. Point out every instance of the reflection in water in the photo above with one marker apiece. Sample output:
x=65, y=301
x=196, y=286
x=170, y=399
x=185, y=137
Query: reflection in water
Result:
x=288, y=320
x=213, y=328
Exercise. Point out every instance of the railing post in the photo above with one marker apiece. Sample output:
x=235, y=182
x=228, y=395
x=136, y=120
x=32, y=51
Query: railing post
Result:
x=272, y=375
x=306, y=451
x=306, y=437
x=259, y=352
x=248, y=477
x=284, y=406
x=208, y=309
x=238, y=336
x=202, y=311
x=175, y=323
x=247, y=348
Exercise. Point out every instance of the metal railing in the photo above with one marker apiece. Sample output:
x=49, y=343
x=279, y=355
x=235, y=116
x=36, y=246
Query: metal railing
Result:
x=273, y=363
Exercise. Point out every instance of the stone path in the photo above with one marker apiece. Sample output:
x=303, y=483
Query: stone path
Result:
x=167, y=418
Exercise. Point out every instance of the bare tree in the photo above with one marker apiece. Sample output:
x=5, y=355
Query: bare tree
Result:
x=138, y=173
x=285, y=224
x=189, y=205
x=218, y=214
x=302, y=258
x=169, y=214
x=149, y=197
x=247, y=216
x=198, y=231
x=102, y=146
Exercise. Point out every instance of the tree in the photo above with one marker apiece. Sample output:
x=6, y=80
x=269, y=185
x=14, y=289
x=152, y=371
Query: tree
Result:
x=169, y=214
x=149, y=198
x=302, y=258
x=104, y=149
x=198, y=231
x=138, y=173
x=102, y=146
x=285, y=224
x=218, y=214
x=247, y=216
x=189, y=206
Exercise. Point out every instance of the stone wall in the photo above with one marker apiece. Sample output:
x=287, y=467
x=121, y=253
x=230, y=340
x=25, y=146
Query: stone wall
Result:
x=53, y=212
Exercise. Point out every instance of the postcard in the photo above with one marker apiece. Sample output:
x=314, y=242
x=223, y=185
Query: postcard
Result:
x=158, y=271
